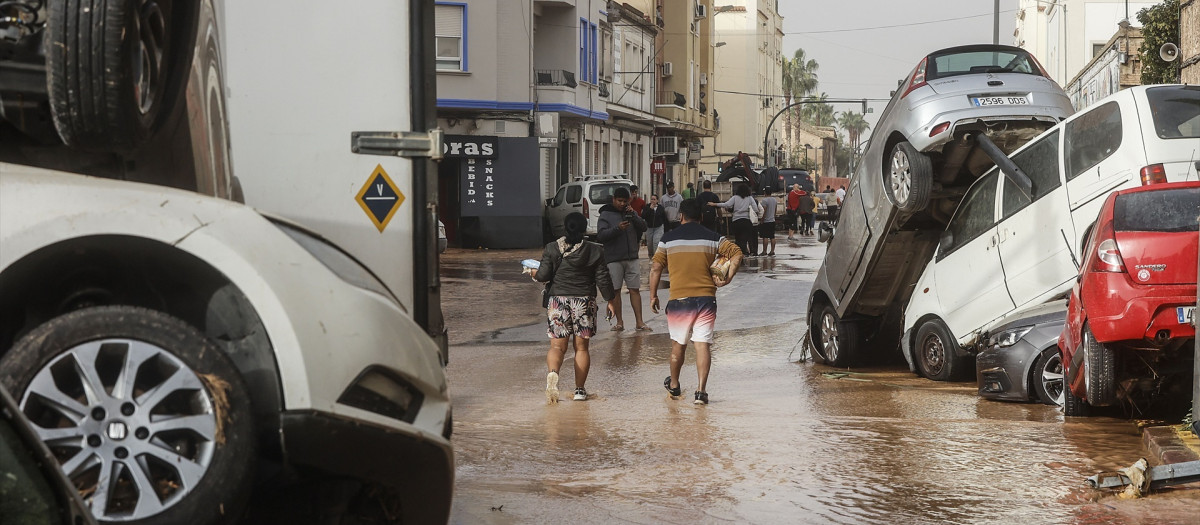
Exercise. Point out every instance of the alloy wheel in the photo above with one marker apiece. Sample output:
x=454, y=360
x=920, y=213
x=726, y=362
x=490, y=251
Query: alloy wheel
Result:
x=901, y=176
x=151, y=27
x=829, y=337
x=132, y=426
x=1052, y=377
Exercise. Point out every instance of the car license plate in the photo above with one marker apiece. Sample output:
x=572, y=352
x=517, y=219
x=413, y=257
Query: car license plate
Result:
x=999, y=101
x=1187, y=314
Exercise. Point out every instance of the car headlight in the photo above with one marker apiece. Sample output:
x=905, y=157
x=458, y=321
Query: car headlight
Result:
x=1006, y=338
x=379, y=391
x=340, y=263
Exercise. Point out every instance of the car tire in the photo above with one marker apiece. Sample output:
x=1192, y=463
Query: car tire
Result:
x=937, y=353
x=1099, y=368
x=107, y=91
x=909, y=178
x=1073, y=405
x=138, y=400
x=837, y=341
x=1048, y=378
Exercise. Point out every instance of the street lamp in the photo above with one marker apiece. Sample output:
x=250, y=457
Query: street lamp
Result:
x=806, y=148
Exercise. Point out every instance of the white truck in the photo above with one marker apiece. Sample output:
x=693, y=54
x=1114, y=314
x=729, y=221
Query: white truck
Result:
x=192, y=359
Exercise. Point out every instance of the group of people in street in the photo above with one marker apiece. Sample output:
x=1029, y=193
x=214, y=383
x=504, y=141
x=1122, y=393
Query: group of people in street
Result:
x=678, y=243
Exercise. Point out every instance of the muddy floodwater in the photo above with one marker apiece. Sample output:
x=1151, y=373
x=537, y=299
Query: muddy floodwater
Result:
x=783, y=440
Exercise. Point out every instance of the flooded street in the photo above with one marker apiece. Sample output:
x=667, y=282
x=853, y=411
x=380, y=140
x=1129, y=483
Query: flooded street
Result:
x=783, y=440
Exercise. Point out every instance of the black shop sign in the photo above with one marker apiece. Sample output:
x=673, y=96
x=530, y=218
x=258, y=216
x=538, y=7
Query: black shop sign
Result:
x=469, y=147
x=505, y=186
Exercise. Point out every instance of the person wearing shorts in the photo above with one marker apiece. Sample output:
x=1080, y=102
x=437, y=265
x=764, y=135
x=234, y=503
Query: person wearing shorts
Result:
x=687, y=252
x=766, y=225
x=618, y=229
x=575, y=269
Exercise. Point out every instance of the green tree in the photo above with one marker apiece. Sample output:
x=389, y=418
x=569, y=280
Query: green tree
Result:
x=818, y=112
x=800, y=80
x=1160, y=24
x=853, y=124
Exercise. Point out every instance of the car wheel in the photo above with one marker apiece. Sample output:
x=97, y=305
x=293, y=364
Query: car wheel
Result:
x=147, y=417
x=937, y=352
x=838, y=340
x=108, y=69
x=909, y=178
x=1048, y=377
x=1074, y=405
x=1099, y=369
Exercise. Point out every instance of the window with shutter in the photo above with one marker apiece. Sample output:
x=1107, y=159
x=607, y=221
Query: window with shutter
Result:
x=450, y=28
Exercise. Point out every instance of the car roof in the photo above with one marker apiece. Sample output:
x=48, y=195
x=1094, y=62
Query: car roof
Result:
x=1162, y=186
x=1053, y=311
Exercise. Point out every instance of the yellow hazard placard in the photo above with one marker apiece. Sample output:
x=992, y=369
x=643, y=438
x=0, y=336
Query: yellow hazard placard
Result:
x=380, y=198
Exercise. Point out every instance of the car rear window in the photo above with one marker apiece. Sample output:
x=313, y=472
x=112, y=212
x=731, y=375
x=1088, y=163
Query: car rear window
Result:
x=574, y=193
x=1172, y=210
x=602, y=193
x=967, y=62
x=1176, y=111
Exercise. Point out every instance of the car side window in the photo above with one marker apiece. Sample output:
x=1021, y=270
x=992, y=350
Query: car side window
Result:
x=24, y=489
x=574, y=193
x=1040, y=162
x=1092, y=137
x=976, y=214
x=558, y=197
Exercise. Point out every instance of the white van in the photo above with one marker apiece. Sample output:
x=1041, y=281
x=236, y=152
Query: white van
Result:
x=1003, y=250
x=585, y=195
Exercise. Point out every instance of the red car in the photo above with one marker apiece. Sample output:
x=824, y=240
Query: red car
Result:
x=1129, y=324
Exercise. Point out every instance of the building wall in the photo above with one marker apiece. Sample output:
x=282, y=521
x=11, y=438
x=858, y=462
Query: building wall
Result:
x=1075, y=26
x=492, y=73
x=1114, y=69
x=1189, y=41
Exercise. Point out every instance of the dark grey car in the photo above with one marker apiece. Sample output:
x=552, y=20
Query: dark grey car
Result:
x=1021, y=361
x=925, y=152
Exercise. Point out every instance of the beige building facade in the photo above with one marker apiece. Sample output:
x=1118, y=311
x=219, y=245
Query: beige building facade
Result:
x=684, y=96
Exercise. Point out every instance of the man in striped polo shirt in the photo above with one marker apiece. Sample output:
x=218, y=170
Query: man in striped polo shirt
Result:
x=686, y=253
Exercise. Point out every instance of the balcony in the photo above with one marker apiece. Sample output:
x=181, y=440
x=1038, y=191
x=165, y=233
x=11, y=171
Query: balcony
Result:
x=671, y=98
x=555, y=77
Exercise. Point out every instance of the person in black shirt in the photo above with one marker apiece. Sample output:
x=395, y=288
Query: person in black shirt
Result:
x=709, y=217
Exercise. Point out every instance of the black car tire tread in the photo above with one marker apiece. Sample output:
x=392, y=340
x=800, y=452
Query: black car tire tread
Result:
x=89, y=75
x=225, y=487
x=1073, y=405
x=1101, y=370
x=955, y=366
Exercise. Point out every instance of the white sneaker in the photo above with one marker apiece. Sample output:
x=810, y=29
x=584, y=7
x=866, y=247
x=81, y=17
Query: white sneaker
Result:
x=580, y=394
x=552, y=388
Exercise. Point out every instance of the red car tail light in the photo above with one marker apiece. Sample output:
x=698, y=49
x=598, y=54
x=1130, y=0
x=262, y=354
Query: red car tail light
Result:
x=939, y=129
x=918, y=78
x=1108, y=257
x=1154, y=174
x=585, y=210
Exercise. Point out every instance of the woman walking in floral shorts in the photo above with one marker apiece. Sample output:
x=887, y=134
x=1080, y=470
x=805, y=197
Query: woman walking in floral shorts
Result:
x=575, y=269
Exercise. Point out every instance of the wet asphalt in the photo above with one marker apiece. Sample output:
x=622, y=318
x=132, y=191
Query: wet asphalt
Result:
x=783, y=440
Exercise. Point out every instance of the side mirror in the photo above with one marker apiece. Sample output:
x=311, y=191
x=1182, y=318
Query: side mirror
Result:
x=945, y=241
x=550, y=202
x=824, y=232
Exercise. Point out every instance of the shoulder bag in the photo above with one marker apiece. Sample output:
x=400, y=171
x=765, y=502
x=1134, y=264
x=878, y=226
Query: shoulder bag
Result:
x=753, y=209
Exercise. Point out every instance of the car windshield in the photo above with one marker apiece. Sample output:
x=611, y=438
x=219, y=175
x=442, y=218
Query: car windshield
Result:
x=1176, y=111
x=966, y=62
x=1172, y=210
x=602, y=193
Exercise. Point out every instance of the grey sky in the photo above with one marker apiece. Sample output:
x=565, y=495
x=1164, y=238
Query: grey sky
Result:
x=867, y=63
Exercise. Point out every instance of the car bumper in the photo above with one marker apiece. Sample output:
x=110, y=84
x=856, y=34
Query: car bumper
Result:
x=1003, y=373
x=346, y=447
x=999, y=117
x=1143, y=317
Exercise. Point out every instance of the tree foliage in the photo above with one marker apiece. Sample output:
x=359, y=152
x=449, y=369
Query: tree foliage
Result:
x=1160, y=24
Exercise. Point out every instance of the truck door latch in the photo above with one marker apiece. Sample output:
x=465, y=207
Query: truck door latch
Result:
x=410, y=144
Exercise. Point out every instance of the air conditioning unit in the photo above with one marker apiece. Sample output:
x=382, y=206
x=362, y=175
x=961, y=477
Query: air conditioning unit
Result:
x=703, y=79
x=701, y=11
x=666, y=145
x=668, y=69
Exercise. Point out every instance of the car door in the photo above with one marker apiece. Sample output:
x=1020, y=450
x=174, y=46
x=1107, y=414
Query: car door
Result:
x=557, y=211
x=1099, y=155
x=967, y=274
x=1035, y=231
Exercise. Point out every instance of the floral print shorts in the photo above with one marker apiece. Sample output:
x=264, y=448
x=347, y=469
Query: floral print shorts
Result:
x=567, y=316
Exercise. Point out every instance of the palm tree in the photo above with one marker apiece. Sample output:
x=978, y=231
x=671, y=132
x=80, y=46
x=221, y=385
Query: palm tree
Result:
x=800, y=79
x=818, y=113
x=854, y=125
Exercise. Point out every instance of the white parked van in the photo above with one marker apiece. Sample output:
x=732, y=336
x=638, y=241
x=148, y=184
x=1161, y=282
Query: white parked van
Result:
x=1003, y=249
x=585, y=195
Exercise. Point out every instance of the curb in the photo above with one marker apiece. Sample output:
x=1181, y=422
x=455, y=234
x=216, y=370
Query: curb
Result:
x=1169, y=445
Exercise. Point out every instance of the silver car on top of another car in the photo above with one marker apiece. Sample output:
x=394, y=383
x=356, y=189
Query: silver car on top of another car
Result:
x=922, y=156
